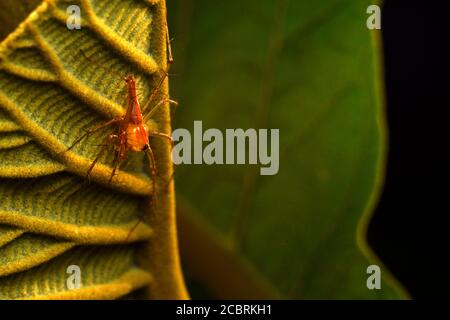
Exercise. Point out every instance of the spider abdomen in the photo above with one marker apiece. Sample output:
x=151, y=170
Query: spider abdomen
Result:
x=137, y=137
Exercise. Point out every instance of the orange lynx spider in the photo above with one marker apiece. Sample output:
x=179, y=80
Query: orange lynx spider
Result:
x=131, y=133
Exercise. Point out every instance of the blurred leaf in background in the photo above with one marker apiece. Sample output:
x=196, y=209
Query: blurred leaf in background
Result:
x=311, y=69
x=12, y=12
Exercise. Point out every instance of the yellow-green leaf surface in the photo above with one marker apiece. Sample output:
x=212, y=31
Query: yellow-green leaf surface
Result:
x=8, y=234
x=107, y=273
x=28, y=251
x=311, y=69
x=6, y=124
x=50, y=94
x=13, y=139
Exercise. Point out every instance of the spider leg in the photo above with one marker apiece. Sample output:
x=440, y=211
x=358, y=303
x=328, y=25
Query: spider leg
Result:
x=172, y=176
x=165, y=72
x=168, y=137
x=92, y=130
x=163, y=136
x=119, y=157
x=104, y=146
x=133, y=228
x=152, y=164
x=148, y=115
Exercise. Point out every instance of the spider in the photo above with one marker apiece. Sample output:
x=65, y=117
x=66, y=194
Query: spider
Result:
x=131, y=133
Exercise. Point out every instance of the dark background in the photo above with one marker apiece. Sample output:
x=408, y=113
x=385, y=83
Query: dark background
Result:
x=409, y=229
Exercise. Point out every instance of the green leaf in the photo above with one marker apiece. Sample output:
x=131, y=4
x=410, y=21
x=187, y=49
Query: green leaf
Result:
x=106, y=273
x=28, y=251
x=6, y=124
x=85, y=213
x=50, y=94
x=13, y=139
x=311, y=69
x=7, y=234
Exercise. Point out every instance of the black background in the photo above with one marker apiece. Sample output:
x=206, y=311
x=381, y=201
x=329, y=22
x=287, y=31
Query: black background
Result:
x=409, y=228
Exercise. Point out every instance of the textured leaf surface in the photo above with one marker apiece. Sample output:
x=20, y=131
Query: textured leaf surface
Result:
x=49, y=96
x=16, y=162
x=6, y=124
x=309, y=68
x=13, y=139
x=106, y=272
x=28, y=251
x=62, y=205
x=8, y=234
